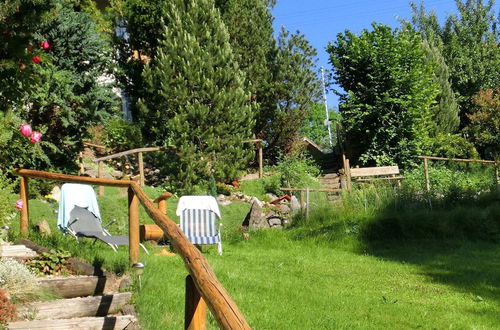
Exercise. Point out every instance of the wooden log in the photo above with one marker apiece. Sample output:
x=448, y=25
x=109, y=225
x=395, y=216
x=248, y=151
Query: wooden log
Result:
x=312, y=189
x=133, y=226
x=349, y=178
x=142, y=180
x=72, y=287
x=101, y=323
x=261, y=160
x=23, y=195
x=195, y=316
x=222, y=306
x=88, y=144
x=461, y=160
x=75, y=307
x=80, y=162
x=162, y=201
x=150, y=232
x=128, y=152
x=71, y=178
x=380, y=179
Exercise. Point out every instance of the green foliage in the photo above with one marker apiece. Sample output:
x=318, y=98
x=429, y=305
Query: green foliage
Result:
x=484, y=127
x=314, y=126
x=7, y=200
x=469, y=45
x=389, y=94
x=49, y=263
x=121, y=135
x=452, y=146
x=200, y=105
x=65, y=92
x=295, y=88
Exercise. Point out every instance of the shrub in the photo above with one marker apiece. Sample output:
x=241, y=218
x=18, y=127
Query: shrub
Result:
x=7, y=309
x=121, y=135
x=18, y=281
x=49, y=263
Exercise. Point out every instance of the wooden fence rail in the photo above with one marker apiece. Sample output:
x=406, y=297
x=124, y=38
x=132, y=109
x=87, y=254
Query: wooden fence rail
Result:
x=495, y=163
x=222, y=306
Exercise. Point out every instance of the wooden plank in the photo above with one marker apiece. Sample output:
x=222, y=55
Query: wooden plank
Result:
x=133, y=227
x=75, y=307
x=195, y=316
x=128, y=152
x=461, y=160
x=71, y=178
x=380, y=179
x=104, y=323
x=372, y=171
x=220, y=303
x=72, y=287
x=312, y=189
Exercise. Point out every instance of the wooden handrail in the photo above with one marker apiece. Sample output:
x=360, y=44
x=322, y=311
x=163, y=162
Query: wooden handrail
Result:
x=125, y=153
x=222, y=306
x=461, y=160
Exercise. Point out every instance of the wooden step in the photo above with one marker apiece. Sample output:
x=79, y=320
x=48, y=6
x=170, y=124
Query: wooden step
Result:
x=94, y=323
x=75, y=286
x=16, y=251
x=75, y=307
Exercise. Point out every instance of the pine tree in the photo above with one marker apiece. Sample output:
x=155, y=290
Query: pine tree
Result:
x=445, y=113
x=199, y=104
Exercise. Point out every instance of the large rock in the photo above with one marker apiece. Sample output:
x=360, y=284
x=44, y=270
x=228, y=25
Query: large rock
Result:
x=254, y=218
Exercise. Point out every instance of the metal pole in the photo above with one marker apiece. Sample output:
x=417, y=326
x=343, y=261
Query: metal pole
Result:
x=326, y=110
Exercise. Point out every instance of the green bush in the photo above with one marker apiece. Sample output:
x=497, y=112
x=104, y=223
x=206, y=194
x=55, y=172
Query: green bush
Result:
x=121, y=135
x=7, y=200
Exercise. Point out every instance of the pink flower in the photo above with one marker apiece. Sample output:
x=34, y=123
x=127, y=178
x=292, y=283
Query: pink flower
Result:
x=25, y=129
x=35, y=137
x=45, y=45
x=19, y=204
x=36, y=59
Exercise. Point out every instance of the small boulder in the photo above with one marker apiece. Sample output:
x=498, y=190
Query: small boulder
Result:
x=254, y=218
x=44, y=228
x=294, y=204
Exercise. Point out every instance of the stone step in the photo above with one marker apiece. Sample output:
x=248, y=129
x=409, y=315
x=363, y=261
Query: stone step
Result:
x=87, y=323
x=73, y=308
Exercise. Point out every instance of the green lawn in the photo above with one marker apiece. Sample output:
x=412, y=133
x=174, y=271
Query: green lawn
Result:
x=284, y=280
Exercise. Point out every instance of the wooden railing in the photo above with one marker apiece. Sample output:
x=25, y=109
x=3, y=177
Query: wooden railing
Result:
x=208, y=288
x=138, y=151
x=495, y=163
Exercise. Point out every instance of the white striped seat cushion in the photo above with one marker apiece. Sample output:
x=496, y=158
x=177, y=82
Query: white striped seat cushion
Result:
x=199, y=225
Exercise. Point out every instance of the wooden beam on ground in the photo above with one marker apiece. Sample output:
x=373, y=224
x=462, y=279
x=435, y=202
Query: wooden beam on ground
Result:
x=125, y=153
x=80, y=307
x=72, y=287
x=220, y=303
x=101, y=323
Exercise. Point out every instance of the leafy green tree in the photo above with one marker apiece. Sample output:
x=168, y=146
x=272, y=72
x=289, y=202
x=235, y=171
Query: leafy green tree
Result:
x=484, y=127
x=389, y=94
x=60, y=86
x=469, y=45
x=295, y=87
x=314, y=127
x=199, y=103
x=446, y=114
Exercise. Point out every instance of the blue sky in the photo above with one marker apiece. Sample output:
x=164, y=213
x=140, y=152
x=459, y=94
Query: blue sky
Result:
x=322, y=20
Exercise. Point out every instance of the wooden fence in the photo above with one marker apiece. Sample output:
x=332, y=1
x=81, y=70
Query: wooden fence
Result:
x=426, y=166
x=202, y=284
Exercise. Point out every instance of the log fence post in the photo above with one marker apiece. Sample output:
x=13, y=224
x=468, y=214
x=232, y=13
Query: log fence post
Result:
x=426, y=172
x=349, y=179
x=195, y=316
x=100, y=174
x=23, y=194
x=261, y=171
x=141, y=169
x=133, y=226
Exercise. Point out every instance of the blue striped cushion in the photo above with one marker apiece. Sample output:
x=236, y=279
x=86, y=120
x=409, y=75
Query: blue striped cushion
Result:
x=199, y=226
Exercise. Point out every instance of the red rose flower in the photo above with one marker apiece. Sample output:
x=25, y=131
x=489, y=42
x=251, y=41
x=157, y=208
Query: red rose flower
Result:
x=36, y=59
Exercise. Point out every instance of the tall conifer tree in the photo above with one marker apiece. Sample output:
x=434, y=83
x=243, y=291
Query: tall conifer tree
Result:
x=199, y=104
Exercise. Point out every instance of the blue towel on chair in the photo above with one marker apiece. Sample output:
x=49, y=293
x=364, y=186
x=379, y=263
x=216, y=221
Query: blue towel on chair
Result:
x=72, y=194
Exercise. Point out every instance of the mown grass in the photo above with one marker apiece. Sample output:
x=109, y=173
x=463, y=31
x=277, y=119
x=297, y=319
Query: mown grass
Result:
x=325, y=273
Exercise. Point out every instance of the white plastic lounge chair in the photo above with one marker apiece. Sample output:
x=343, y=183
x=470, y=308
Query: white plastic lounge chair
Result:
x=198, y=216
x=83, y=222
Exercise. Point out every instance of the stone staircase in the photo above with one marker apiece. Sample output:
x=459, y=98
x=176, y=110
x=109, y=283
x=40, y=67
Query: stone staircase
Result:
x=88, y=302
